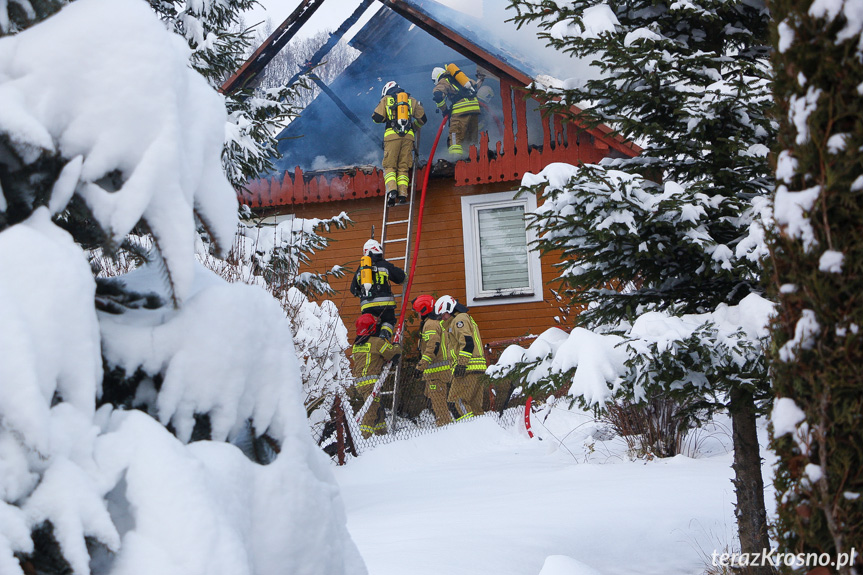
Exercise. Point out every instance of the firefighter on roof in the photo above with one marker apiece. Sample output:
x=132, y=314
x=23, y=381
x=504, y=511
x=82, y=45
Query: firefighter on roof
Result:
x=371, y=284
x=369, y=354
x=435, y=364
x=455, y=94
x=465, y=393
x=401, y=113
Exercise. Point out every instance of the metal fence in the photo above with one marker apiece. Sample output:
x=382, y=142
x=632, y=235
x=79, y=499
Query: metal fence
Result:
x=338, y=433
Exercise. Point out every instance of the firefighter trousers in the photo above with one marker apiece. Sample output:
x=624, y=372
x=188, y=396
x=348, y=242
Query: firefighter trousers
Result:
x=465, y=396
x=436, y=390
x=397, y=163
x=463, y=132
x=373, y=421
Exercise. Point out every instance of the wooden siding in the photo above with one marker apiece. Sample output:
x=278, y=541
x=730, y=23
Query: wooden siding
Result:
x=440, y=266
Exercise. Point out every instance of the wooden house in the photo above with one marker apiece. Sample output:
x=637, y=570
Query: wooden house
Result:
x=474, y=244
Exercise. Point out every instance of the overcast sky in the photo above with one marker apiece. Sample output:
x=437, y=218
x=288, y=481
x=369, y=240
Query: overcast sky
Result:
x=328, y=16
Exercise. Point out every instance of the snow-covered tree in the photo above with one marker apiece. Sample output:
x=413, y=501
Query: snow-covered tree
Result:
x=817, y=259
x=100, y=412
x=271, y=256
x=220, y=45
x=672, y=230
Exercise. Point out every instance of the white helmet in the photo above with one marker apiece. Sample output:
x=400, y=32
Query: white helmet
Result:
x=444, y=304
x=437, y=73
x=389, y=86
x=372, y=247
x=485, y=94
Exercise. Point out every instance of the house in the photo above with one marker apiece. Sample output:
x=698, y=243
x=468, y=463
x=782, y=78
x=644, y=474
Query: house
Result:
x=474, y=242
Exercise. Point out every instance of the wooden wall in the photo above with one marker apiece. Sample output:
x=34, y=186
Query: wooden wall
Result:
x=440, y=265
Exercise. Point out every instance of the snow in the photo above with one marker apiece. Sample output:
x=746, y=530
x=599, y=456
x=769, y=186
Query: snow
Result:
x=852, y=10
x=786, y=36
x=563, y=565
x=831, y=262
x=483, y=499
x=805, y=330
x=799, y=110
x=171, y=167
x=124, y=495
x=791, y=210
x=595, y=21
x=785, y=416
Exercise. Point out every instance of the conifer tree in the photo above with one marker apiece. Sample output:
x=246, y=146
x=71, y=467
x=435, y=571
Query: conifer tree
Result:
x=818, y=280
x=670, y=229
x=220, y=43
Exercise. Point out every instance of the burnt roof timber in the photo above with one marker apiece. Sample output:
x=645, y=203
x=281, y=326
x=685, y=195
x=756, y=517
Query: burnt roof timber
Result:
x=256, y=63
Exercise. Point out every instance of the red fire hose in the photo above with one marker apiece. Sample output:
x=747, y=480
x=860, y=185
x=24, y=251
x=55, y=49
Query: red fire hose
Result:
x=406, y=293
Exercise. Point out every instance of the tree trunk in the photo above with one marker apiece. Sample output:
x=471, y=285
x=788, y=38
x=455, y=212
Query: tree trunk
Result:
x=748, y=483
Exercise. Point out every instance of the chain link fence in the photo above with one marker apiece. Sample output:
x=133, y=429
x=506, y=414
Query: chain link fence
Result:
x=338, y=431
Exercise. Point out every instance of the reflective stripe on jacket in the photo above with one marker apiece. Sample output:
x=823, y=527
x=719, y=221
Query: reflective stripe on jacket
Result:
x=467, y=342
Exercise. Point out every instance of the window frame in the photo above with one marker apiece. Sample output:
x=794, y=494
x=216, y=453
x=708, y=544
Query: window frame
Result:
x=470, y=207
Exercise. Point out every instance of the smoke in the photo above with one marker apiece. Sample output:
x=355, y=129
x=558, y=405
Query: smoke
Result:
x=325, y=135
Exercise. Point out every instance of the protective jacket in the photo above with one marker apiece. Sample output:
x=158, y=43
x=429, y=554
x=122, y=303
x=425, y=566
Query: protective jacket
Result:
x=448, y=95
x=369, y=355
x=385, y=112
x=436, y=353
x=381, y=293
x=467, y=343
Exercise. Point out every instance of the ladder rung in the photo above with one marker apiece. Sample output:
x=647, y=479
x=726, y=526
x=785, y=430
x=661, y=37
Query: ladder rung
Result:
x=385, y=393
x=397, y=222
x=396, y=240
x=395, y=259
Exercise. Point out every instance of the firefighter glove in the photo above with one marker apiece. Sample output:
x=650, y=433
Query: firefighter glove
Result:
x=418, y=374
x=459, y=370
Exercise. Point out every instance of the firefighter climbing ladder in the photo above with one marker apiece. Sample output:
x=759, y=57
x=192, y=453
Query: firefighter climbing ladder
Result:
x=398, y=218
x=405, y=295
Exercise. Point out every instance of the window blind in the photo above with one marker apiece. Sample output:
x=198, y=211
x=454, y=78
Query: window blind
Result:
x=503, y=248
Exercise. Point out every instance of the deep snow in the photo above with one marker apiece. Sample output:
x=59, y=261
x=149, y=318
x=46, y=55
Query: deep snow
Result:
x=477, y=498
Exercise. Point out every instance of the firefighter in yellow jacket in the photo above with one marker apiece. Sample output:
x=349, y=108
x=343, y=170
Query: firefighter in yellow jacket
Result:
x=369, y=354
x=435, y=364
x=460, y=101
x=401, y=113
x=465, y=393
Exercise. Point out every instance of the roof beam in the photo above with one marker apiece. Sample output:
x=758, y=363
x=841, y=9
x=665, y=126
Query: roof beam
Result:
x=252, y=67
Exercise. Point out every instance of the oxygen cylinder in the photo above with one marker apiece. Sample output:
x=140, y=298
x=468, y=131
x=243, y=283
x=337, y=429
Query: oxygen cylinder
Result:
x=459, y=77
x=403, y=109
x=366, y=278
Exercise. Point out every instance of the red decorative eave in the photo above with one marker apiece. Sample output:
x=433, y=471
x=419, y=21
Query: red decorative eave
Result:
x=297, y=188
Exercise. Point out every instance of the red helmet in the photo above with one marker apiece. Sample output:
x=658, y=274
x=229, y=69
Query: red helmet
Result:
x=366, y=324
x=424, y=304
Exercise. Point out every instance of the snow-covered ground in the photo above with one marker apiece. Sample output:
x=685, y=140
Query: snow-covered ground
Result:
x=476, y=498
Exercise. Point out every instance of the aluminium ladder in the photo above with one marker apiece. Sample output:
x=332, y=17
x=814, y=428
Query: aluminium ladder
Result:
x=396, y=231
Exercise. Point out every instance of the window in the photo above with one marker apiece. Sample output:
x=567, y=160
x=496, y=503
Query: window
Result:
x=500, y=267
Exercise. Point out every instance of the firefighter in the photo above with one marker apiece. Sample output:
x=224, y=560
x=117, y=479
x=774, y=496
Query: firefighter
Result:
x=401, y=113
x=376, y=296
x=369, y=354
x=465, y=393
x=435, y=365
x=459, y=100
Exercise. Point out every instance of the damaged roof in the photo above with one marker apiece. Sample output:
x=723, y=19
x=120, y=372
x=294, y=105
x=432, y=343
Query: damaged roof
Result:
x=403, y=41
